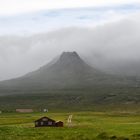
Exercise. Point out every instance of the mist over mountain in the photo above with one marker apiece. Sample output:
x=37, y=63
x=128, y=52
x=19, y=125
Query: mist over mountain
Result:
x=69, y=71
x=113, y=48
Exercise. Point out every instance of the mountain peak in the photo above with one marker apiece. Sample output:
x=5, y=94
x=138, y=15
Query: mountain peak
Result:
x=69, y=56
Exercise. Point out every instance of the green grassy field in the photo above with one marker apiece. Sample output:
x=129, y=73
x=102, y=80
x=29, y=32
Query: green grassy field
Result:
x=85, y=126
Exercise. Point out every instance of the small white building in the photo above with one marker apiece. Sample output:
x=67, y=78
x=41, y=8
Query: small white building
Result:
x=45, y=110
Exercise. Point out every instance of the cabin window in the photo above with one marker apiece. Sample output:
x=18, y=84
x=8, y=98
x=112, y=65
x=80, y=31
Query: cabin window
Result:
x=44, y=119
x=49, y=123
x=42, y=123
x=36, y=123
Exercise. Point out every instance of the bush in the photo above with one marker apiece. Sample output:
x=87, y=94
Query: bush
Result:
x=122, y=138
x=103, y=136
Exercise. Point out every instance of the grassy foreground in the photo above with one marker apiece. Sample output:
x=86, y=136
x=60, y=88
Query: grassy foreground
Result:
x=85, y=126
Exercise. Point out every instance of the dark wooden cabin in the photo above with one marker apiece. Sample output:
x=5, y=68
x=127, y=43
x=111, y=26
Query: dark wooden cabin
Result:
x=45, y=121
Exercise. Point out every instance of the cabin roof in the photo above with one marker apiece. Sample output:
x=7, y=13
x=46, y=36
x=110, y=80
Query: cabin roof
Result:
x=46, y=118
x=58, y=121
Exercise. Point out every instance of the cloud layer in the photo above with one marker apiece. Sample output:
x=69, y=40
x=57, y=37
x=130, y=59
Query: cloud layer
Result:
x=14, y=7
x=113, y=47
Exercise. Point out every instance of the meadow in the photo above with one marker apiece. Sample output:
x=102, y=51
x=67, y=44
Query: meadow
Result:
x=84, y=126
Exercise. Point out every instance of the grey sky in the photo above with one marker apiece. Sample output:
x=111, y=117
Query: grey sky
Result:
x=105, y=47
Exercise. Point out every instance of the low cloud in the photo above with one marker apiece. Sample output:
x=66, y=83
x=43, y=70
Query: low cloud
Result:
x=113, y=47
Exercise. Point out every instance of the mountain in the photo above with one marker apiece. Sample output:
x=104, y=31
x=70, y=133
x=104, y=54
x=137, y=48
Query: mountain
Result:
x=68, y=83
x=68, y=71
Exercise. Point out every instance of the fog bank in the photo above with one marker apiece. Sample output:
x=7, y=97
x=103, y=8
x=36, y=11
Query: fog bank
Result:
x=113, y=47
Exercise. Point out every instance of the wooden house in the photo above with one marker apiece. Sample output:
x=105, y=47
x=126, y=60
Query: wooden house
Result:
x=45, y=121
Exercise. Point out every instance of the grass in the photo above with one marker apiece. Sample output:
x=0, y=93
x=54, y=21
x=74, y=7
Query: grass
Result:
x=85, y=126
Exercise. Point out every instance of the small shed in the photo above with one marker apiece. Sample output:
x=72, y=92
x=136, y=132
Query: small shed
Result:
x=59, y=124
x=45, y=110
x=45, y=121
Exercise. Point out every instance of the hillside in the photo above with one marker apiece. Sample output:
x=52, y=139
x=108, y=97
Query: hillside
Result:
x=69, y=71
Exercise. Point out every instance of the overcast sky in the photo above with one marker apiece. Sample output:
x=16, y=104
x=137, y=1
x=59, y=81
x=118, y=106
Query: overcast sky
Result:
x=26, y=23
x=10, y=7
x=32, y=32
